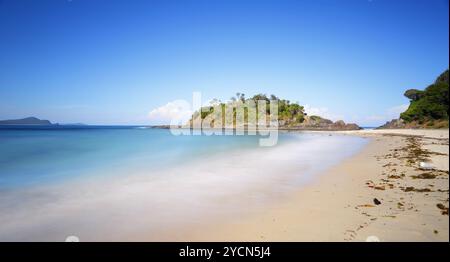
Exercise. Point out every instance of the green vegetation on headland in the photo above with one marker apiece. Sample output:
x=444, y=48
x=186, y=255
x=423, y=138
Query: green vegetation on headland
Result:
x=240, y=112
x=428, y=108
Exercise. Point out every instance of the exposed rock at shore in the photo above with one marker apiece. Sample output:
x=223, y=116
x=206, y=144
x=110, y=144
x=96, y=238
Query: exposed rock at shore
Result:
x=313, y=123
x=318, y=123
x=402, y=124
x=393, y=124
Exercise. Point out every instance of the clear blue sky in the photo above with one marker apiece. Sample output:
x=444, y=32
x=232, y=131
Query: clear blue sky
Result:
x=112, y=62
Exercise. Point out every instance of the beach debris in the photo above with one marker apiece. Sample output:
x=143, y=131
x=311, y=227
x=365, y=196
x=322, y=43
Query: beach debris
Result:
x=436, y=232
x=350, y=235
x=443, y=208
x=370, y=183
x=372, y=239
x=417, y=154
x=425, y=166
x=396, y=176
x=419, y=190
x=427, y=175
x=365, y=205
x=376, y=201
x=390, y=164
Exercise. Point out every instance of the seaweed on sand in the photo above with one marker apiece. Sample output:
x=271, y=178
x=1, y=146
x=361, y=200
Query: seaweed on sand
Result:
x=419, y=190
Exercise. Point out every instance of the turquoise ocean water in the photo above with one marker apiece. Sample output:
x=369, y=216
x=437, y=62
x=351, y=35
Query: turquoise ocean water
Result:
x=115, y=182
x=32, y=155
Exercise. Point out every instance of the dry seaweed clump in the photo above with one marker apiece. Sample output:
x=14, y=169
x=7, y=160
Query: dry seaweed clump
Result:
x=396, y=176
x=419, y=190
x=443, y=208
x=428, y=175
x=415, y=153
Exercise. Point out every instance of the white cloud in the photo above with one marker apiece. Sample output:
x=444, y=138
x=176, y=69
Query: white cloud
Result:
x=371, y=120
x=178, y=111
x=397, y=110
x=388, y=115
x=322, y=112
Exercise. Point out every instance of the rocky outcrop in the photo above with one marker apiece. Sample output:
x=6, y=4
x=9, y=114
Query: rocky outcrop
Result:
x=318, y=123
x=393, y=124
x=401, y=124
x=241, y=113
x=341, y=125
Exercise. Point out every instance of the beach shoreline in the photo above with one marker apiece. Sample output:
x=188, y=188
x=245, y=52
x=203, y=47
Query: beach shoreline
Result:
x=135, y=201
x=324, y=186
x=380, y=193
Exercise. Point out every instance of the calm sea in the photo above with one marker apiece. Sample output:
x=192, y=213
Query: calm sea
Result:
x=115, y=183
x=46, y=154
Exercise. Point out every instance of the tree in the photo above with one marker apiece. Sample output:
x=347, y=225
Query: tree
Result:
x=413, y=94
x=289, y=113
x=242, y=97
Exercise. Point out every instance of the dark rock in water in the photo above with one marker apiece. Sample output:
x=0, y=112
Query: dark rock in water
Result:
x=376, y=201
x=25, y=121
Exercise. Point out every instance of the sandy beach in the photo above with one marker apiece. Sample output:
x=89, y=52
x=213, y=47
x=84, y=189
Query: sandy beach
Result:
x=380, y=194
x=317, y=186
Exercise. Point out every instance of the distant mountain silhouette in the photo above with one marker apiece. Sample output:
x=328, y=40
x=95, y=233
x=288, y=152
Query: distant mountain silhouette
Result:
x=25, y=121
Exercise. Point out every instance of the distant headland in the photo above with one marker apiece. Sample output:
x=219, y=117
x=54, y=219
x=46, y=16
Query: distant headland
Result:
x=26, y=121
